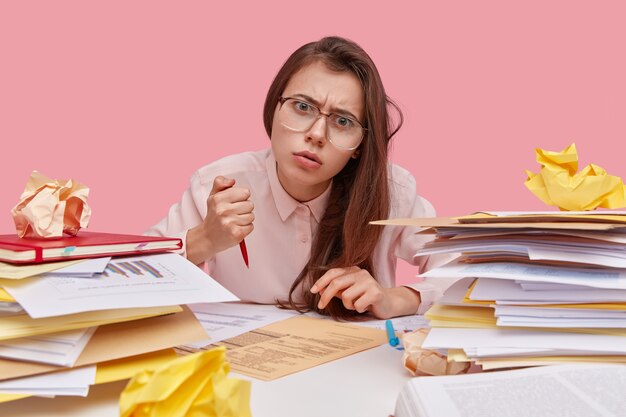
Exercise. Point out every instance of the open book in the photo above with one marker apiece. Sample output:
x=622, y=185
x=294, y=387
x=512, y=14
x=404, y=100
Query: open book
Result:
x=576, y=390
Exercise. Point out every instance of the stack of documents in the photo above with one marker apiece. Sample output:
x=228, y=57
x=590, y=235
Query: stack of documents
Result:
x=95, y=321
x=537, y=288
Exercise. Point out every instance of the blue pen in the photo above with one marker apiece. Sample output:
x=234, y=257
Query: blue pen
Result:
x=391, y=334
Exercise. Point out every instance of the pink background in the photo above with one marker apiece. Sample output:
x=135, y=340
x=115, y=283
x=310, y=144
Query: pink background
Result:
x=131, y=97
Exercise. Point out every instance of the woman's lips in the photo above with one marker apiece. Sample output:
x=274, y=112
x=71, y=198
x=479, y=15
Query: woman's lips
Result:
x=307, y=159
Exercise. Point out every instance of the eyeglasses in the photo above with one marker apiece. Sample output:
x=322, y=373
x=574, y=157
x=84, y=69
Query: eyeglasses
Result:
x=342, y=131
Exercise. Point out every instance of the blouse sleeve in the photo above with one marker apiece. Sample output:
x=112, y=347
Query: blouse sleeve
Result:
x=185, y=214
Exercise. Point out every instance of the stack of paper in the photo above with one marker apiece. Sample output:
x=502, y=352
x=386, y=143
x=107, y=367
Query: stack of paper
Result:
x=538, y=288
x=110, y=315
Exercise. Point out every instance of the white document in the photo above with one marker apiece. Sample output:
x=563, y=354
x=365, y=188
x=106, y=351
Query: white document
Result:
x=225, y=320
x=459, y=234
x=601, y=257
x=141, y=281
x=71, y=382
x=562, y=390
x=564, y=323
x=489, y=289
x=62, y=349
x=495, y=352
x=601, y=254
x=455, y=294
x=549, y=286
x=507, y=352
x=86, y=268
x=400, y=324
x=549, y=312
x=454, y=338
x=592, y=277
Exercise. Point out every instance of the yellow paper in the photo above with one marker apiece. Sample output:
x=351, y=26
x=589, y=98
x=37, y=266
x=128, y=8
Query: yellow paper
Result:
x=125, y=368
x=482, y=318
x=6, y=297
x=10, y=271
x=48, y=208
x=22, y=325
x=194, y=385
x=119, y=369
x=5, y=398
x=558, y=184
x=517, y=362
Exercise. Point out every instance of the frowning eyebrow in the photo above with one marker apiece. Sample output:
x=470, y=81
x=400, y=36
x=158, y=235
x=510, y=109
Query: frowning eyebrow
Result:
x=335, y=110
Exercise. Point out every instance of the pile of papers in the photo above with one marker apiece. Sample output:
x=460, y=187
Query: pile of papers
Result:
x=67, y=325
x=535, y=288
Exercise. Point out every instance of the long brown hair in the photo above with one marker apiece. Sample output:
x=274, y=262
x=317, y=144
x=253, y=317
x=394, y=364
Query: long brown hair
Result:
x=360, y=191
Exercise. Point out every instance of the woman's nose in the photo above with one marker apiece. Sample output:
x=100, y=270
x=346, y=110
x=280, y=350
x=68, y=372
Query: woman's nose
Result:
x=317, y=132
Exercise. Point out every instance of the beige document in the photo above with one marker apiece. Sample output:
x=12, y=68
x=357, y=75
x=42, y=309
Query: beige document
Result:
x=10, y=271
x=296, y=344
x=121, y=340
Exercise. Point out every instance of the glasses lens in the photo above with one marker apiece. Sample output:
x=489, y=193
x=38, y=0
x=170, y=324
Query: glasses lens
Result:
x=344, y=132
x=299, y=116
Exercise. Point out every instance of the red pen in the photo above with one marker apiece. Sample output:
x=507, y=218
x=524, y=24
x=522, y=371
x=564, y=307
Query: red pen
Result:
x=242, y=244
x=244, y=252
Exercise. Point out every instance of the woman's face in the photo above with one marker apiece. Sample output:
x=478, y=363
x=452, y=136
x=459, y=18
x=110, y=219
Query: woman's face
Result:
x=307, y=160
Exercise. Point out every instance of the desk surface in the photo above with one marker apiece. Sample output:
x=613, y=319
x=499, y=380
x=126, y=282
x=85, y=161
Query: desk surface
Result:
x=364, y=384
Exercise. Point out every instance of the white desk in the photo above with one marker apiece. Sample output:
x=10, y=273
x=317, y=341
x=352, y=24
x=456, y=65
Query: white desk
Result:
x=365, y=384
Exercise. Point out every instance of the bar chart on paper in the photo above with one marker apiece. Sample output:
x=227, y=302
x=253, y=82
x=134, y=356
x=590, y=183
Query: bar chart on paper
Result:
x=140, y=281
x=132, y=268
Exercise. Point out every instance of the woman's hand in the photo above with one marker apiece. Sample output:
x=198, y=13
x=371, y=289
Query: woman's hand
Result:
x=228, y=221
x=359, y=291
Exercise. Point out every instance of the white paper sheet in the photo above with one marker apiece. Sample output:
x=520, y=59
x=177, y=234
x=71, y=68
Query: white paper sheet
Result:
x=62, y=349
x=400, y=324
x=71, y=382
x=578, y=390
x=86, y=268
x=563, y=323
x=142, y=281
x=506, y=290
x=526, y=311
x=225, y=320
x=597, y=278
x=550, y=286
x=446, y=338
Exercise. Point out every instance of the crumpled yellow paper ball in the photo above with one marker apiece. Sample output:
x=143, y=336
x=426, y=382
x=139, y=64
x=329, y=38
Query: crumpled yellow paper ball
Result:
x=423, y=362
x=49, y=208
x=558, y=183
x=189, y=386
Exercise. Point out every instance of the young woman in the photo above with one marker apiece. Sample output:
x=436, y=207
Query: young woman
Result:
x=304, y=205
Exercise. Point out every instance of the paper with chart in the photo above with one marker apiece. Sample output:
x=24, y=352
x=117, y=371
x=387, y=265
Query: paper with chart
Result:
x=140, y=281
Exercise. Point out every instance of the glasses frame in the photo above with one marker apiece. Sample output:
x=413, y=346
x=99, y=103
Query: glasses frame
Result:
x=282, y=100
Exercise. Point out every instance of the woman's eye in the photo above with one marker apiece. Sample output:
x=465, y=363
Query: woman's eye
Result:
x=302, y=106
x=343, y=122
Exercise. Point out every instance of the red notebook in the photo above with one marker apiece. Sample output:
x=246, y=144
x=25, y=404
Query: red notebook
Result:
x=84, y=245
